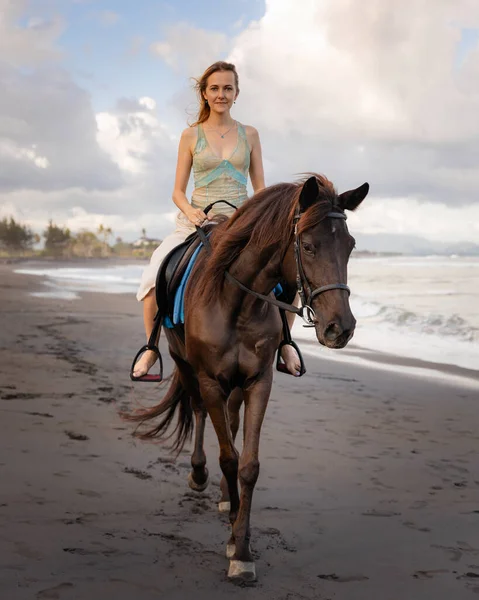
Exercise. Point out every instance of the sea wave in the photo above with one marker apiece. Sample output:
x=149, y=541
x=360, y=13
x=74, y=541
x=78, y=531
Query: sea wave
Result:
x=438, y=324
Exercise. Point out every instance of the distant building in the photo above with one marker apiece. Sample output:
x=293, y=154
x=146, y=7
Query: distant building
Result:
x=145, y=241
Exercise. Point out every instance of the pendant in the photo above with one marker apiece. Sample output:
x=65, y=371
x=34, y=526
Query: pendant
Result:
x=222, y=137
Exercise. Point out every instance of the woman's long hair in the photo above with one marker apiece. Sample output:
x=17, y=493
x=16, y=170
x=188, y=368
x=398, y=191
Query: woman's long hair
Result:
x=202, y=82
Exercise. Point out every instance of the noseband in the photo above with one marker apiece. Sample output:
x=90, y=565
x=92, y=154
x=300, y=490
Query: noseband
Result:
x=306, y=294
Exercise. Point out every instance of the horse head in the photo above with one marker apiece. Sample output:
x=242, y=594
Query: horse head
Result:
x=322, y=249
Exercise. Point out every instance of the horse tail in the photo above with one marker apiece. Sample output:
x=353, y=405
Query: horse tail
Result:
x=176, y=399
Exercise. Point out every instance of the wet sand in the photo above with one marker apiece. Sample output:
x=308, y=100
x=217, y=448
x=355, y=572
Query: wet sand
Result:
x=369, y=483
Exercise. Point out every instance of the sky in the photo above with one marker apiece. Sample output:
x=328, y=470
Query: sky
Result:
x=94, y=95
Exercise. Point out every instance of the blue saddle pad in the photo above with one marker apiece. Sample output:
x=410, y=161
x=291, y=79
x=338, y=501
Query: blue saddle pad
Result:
x=179, y=304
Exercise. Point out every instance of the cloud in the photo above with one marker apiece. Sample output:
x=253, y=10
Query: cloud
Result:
x=409, y=216
x=366, y=91
x=30, y=45
x=60, y=160
x=47, y=120
x=134, y=137
x=134, y=140
x=190, y=49
x=47, y=125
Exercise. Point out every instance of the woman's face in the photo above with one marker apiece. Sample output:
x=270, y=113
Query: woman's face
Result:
x=221, y=91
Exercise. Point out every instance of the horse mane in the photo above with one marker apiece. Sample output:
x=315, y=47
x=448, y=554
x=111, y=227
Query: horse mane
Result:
x=264, y=220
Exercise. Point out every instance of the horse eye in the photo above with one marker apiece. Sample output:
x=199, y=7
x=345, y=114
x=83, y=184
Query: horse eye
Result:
x=308, y=248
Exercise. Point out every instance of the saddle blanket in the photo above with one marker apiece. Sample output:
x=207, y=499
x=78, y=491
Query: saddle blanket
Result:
x=179, y=303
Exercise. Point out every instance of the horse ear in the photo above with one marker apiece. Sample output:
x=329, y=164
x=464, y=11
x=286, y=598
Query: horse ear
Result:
x=309, y=194
x=352, y=199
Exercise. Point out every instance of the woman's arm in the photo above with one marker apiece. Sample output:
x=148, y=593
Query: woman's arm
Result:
x=256, y=171
x=183, y=171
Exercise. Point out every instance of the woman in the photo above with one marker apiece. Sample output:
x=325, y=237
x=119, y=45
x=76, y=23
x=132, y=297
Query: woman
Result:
x=221, y=151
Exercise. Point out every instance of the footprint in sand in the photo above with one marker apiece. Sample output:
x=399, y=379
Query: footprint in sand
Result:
x=19, y=396
x=412, y=525
x=107, y=399
x=76, y=436
x=428, y=574
x=457, y=552
x=469, y=575
x=39, y=414
x=380, y=513
x=89, y=493
x=343, y=578
x=54, y=592
x=137, y=473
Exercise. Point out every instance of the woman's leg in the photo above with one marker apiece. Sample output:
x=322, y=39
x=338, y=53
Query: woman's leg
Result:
x=149, y=311
x=148, y=281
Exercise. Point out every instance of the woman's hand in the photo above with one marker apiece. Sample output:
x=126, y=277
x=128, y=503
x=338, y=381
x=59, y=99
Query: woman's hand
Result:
x=196, y=216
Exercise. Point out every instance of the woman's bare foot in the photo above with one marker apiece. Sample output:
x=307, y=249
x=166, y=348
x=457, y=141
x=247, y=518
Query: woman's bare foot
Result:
x=147, y=360
x=291, y=360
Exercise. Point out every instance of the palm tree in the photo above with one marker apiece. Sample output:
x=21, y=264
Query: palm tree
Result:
x=105, y=232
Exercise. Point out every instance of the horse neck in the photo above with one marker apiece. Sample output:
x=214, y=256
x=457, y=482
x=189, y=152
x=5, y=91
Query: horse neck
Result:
x=260, y=270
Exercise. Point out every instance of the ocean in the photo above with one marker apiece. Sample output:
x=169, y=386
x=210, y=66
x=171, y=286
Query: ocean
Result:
x=417, y=308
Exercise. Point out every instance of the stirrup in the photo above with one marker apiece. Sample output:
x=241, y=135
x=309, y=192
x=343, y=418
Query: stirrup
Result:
x=147, y=377
x=281, y=366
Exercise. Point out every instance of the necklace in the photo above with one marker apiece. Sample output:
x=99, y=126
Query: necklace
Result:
x=222, y=135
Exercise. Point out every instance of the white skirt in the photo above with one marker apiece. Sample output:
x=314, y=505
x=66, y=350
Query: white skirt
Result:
x=148, y=278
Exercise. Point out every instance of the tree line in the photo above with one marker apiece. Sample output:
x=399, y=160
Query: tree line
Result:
x=17, y=239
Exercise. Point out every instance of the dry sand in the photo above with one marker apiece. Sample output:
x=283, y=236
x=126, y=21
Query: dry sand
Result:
x=369, y=483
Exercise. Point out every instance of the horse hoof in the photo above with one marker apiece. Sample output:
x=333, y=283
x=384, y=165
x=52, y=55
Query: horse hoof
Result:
x=224, y=507
x=197, y=487
x=242, y=571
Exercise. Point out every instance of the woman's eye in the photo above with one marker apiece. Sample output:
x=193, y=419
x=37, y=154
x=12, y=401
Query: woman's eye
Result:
x=308, y=248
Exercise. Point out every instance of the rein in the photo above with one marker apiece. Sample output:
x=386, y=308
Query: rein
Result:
x=306, y=294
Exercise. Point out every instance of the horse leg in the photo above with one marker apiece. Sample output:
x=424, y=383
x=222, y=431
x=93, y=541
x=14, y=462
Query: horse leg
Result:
x=215, y=402
x=235, y=401
x=198, y=479
x=256, y=399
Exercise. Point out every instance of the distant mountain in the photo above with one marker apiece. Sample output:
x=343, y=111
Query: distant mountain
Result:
x=463, y=249
x=410, y=244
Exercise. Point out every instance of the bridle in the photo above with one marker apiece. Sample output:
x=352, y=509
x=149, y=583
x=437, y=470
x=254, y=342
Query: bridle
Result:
x=306, y=293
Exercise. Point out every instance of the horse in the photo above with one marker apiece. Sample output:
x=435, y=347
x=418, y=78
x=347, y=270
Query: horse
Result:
x=293, y=233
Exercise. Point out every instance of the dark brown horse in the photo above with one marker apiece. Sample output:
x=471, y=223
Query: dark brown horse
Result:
x=224, y=355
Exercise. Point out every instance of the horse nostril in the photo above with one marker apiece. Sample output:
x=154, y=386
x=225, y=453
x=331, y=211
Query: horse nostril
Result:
x=333, y=331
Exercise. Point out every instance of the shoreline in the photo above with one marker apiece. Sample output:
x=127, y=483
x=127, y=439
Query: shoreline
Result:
x=407, y=366
x=368, y=478
x=353, y=353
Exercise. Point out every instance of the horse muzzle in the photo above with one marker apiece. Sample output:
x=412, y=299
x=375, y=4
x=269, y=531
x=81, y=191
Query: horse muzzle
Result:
x=336, y=334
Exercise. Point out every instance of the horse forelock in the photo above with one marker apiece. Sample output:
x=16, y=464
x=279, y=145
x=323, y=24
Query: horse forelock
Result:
x=327, y=201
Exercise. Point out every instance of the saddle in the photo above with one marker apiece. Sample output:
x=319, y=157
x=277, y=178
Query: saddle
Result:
x=172, y=271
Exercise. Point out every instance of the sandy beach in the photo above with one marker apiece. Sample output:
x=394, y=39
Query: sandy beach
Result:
x=369, y=483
